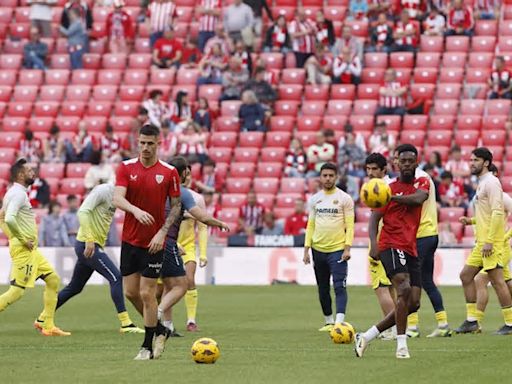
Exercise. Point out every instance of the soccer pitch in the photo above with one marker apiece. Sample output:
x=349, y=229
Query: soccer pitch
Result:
x=266, y=335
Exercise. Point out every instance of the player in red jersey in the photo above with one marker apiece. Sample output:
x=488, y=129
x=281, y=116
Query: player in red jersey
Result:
x=143, y=186
x=396, y=248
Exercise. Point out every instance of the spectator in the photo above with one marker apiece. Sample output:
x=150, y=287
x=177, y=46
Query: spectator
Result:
x=169, y=144
x=203, y=117
x=451, y=191
x=270, y=226
x=271, y=76
x=325, y=30
x=212, y=66
x=392, y=95
x=487, y=9
x=277, y=38
x=381, y=141
x=303, y=34
x=99, y=173
x=319, y=66
x=434, y=24
x=191, y=55
x=446, y=235
x=84, y=12
x=296, y=223
x=405, y=34
x=238, y=22
x=257, y=7
x=359, y=139
x=233, y=79
x=500, y=81
x=250, y=220
x=226, y=46
x=347, y=67
x=350, y=185
x=161, y=13
x=381, y=36
x=192, y=143
x=456, y=165
x=157, y=111
x=39, y=192
x=77, y=39
x=296, y=164
x=180, y=112
x=351, y=158
x=41, y=15
x=35, y=52
x=129, y=147
x=376, y=7
x=110, y=145
x=209, y=181
x=79, y=150
x=434, y=161
x=347, y=40
x=358, y=10
x=30, y=147
x=443, y=6
x=415, y=8
x=251, y=113
x=428, y=168
x=52, y=230
x=120, y=29
x=318, y=154
x=70, y=218
x=209, y=12
x=167, y=51
x=242, y=52
x=262, y=88
x=460, y=19
x=54, y=147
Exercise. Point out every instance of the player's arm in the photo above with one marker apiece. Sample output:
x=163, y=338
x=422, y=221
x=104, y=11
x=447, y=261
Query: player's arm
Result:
x=497, y=218
x=467, y=220
x=90, y=203
x=373, y=230
x=157, y=242
x=120, y=202
x=349, y=227
x=11, y=220
x=417, y=198
x=310, y=230
x=201, y=216
x=202, y=235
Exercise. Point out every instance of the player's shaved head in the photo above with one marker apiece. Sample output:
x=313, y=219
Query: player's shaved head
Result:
x=149, y=130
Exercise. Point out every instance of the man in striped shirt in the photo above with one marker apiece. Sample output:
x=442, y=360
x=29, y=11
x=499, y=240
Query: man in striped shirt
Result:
x=302, y=33
x=161, y=14
x=392, y=95
x=251, y=215
x=209, y=11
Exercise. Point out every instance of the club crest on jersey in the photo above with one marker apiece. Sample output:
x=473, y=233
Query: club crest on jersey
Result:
x=335, y=202
x=133, y=177
x=159, y=178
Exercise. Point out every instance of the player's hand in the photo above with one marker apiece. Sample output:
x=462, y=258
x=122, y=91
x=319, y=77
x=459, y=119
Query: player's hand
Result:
x=157, y=242
x=29, y=244
x=143, y=217
x=465, y=220
x=181, y=251
x=224, y=227
x=374, y=253
x=203, y=263
x=306, y=259
x=89, y=249
x=487, y=250
x=345, y=257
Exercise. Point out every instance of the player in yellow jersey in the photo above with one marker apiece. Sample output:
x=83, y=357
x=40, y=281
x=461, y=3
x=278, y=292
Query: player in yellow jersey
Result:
x=95, y=216
x=488, y=252
x=376, y=167
x=18, y=221
x=329, y=234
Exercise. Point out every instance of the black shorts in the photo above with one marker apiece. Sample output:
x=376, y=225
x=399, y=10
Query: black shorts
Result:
x=172, y=265
x=139, y=260
x=397, y=261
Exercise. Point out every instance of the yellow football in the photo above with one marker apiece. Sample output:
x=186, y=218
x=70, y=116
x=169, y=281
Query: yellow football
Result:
x=205, y=351
x=376, y=193
x=342, y=333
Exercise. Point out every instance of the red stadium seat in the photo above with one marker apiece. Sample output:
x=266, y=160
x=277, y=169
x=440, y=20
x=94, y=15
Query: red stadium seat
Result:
x=472, y=107
x=8, y=155
x=109, y=76
x=483, y=44
x=343, y=92
x=272, y=60
x=26, y=76
x=498, y=107
x=162, y=76
x=450, y=214
x=78, y=93
x=401, y=60
x=56, y=77
x=46, y=108
x=223, y=139
x=425, y=75
x=368, y=91
x=313, y=108
x=238, y=185
x=126, y=109
x=10, y=61
x=306, y=138
x=288, y=200
x=54, y=170
x=19, y=109
x=230, y=108
x=451, y=75
x=60, y=61
x=6, y=14
x=365, y=107
x=221, y=155
x=506, y=182
x=316, y=92
x=282, y=123
x=486, y=28
x=376, y=60
x=14, y=124
x=335, y=123
x=233, y=200
x=19, y=31
x=266, y=185
x=415, y=122
x=478, y=75
x=361, y=123
x=9, y=140
x=416, y=138
x=363, y=214
x=72, y=186
x=467, y=137
x=187, y=76
x=131, y=93
x=114, y=61
x=265, y=199
x=210, y=92
x=309, y=123
x=457, y=44
x=137, y=60
x=393, y=122
x=505, y=28
x=469, y=122
x=419, y=91
x=339, y=107
x=273, y=155
x=443, y=151
x=446, y=107
x=99, y=108
x=431, y=43
x=443, y=138
x=448, y=91
x=454, y=60
x=77, y=170
x=494, y=122
x=293, y=185
x=242, y=170
x=494, y=138
x=227, y=124
x=25, y=93
x=286, y=108
x=5, y=93
x=40, y=124
x=83, y=77
x=442, y=122
x=278, y=139
x=480, y=60
x=249, y=155
x=73, y=108
x=251, y=139
x=293, y=76
x=95, y=123
x=361, y=230
x=372, y=75
x=359, y=27
x=290, y=92
x=428, y=60
x=121, y=123
x=104, y=92
x=8, y=77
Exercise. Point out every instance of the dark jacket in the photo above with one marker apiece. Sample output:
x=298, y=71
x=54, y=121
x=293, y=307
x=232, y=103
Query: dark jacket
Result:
x=252, y=117
x=39, y=48
x=257, y=7
x=389, y=38
x=64, y=19
x=263, y=90
x=268, y=38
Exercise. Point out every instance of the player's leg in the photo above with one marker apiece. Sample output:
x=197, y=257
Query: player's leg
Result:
x=22, y=276
x=338, y=270
x=467, y=277
x=504, y=298
x=130, y=270
x=323, y=282
x=174, y=289
x=384, y=292
x=482, y=295
x=13, y=294
x=191, y=296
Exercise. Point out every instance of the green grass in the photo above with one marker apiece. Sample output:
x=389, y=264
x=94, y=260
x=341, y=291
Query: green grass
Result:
x=266, y=335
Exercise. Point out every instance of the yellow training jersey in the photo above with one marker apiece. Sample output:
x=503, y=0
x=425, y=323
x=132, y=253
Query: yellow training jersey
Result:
x=331, y=221
x=489, y=210
x=95, y=215
x=428, y=221
x=187, y=234
x=19, y=222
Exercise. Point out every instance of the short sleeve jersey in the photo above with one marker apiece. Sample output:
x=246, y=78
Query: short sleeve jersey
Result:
x=187, y=203
x=400, y=221
x=148, y=189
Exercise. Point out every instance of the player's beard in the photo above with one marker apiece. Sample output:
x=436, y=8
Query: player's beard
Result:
x=476, y=171
x=29, y=181
x=407, y=177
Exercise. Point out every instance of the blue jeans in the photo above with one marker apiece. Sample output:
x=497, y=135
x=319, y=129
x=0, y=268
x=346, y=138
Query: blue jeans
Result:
x=32, y=61
x=327, y=265
x=76, y=59
x=154, y=37
x=203, y=38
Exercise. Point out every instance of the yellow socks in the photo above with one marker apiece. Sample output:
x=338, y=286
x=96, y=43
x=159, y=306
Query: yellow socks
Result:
x=479, y=315
x=50, y=300
x=124, y=318
x=191, y=304
x=12, y=295
x=507, y=315
x=442, y=319
x=413, y=320
x=471, y=312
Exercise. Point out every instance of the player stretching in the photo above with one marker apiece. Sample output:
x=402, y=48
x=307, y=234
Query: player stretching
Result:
x=329, y=234
x=95, y=216
x=396, y=248
x=143, y=186
x=18, y=221
x=490, y=237
x=376, y=167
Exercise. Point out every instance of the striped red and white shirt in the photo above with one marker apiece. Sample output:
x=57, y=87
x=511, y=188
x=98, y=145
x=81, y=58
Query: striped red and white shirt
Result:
x=303, y=44
x=500, y=80
x=382, y=33
x=407, y=40
x=31, y=150
x=487, y=6
x=175, y=116
x=110, y=146
x=392, y=101
x=208, y=23
x=252, y=215
x=278, y=36
x=168, y=146
x=414, y=7
x=244, y=57
x=161, y=15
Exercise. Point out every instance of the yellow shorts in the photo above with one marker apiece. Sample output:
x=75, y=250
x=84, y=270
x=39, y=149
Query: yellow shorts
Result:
x=507, y=255
x=378, y=274
x=190, y=253
x=476, y=259
x=28, y=266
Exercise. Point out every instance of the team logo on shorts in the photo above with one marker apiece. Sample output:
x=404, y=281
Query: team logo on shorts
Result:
x=159, y=178
x=401, y=256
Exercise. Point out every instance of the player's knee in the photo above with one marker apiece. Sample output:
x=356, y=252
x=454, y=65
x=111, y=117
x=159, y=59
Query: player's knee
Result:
x=465, y=277
x=131, y=294
x=404, y=289
x=52, y=281
x=147, y=294
x=15, y=293
x=414, y=306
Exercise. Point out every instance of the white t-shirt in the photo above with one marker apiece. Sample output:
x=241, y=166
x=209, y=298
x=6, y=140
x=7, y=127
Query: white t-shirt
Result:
x=42, y=11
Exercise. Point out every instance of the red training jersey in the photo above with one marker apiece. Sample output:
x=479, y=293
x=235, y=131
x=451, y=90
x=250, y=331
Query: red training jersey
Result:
x=401, y=221
x=167, y=48
x=147, y=189
x=296, y=224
